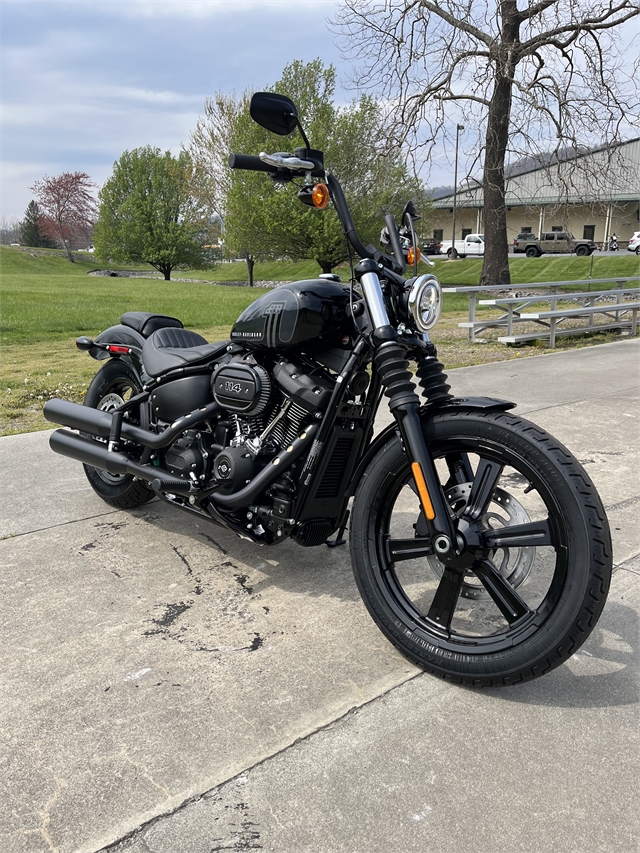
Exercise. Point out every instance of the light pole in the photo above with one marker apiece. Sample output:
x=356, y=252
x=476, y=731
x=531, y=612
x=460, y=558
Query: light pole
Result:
x=454, y=251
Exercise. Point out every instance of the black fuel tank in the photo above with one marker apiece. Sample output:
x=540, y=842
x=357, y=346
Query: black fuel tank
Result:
x=313, y=312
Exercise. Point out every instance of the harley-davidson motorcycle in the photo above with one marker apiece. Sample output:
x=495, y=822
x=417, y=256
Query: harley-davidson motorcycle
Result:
x=479, y=544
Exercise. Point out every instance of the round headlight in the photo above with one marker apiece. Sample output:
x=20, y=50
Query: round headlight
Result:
x=425, y=302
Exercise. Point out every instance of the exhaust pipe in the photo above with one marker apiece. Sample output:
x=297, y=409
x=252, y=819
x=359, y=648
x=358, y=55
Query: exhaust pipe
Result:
x=95, y=454
x=97, y=422
x=269, y=473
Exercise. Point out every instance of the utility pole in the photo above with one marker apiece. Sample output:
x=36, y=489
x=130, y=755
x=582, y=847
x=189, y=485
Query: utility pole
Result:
x=454, y=251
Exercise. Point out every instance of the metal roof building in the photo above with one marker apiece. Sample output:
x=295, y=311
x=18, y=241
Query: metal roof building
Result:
x=597, y=192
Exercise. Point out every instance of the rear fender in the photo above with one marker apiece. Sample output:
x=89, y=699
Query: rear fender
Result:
x=458, y=403
x=124, y=336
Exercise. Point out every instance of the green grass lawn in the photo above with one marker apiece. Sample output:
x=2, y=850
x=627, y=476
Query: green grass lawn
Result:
x=48, y=302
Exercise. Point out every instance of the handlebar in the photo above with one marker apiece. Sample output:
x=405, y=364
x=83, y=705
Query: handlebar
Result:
x=394, y=237
x=282, y=162
x=295, y=164
x=250, y=163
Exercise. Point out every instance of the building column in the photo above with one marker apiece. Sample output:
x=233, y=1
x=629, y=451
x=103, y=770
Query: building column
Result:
x=541, y=222
x=607, y=226
x=479, y=221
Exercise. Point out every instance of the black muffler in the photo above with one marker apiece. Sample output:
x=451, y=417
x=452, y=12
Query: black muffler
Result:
x=97, y=422
x=96, y=454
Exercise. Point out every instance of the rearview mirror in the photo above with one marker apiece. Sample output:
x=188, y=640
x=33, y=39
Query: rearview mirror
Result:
x=276, y=113
x=410, y=208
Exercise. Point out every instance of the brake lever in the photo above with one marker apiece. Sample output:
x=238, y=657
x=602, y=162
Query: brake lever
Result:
x=281, y=162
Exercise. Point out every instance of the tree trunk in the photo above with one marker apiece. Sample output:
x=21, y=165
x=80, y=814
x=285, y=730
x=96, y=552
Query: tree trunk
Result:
x=250, y=265
x=495, y=269
x=67, y=249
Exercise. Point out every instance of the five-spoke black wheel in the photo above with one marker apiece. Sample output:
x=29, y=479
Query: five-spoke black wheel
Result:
x=534, y=559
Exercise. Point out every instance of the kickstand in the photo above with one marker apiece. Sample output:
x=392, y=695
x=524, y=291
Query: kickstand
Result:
x=339, y=540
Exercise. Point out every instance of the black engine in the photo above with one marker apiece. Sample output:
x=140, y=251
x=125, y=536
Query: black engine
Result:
x=266, y=408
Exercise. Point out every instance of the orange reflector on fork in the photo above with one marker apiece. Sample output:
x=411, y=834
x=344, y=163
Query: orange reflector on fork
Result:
x=418, y=476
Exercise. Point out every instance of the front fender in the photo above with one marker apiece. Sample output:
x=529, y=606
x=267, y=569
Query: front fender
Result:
x=461, y=403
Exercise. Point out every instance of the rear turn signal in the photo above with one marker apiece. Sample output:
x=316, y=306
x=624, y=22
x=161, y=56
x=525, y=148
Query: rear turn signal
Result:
x=320, y=196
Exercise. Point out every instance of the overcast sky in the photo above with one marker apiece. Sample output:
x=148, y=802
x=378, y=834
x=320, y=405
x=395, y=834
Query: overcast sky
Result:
x=84, y=81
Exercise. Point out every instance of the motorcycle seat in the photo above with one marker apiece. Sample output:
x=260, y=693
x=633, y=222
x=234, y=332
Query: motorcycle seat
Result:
x=146, y=323
x=170, y=348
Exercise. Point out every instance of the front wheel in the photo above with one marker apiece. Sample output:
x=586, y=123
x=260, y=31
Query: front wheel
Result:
x=112, y=386
x=581, y=251
x=540, y=541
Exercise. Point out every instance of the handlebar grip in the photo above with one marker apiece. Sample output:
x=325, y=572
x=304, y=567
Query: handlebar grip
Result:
x=250, y=163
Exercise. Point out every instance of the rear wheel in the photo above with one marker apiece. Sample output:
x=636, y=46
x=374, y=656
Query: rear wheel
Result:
x=532, y=252
x=112, y=386
x=534, y=526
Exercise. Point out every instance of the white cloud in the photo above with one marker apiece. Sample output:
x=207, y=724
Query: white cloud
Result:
x=197, y=9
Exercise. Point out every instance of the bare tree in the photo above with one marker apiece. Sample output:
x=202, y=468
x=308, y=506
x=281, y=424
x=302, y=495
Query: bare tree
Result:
x=209, y=147
x=550, y=75
x=68, y=207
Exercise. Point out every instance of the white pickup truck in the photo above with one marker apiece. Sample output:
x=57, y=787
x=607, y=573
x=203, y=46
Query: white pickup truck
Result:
x=472, y=245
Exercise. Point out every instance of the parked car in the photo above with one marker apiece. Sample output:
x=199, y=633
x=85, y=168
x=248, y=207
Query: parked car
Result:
x=554, y=243
x=472, y=244
x=634, y=243
x=524, y=235
x=430, y=247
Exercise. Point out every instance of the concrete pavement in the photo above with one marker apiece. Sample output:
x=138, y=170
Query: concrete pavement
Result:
x=168, y=687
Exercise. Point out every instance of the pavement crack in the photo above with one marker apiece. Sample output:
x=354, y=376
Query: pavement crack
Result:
x=184, y=560
x=211, y=792
x=46, y=815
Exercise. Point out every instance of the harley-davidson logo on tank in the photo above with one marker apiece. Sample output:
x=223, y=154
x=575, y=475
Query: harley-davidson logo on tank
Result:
x=301, y=312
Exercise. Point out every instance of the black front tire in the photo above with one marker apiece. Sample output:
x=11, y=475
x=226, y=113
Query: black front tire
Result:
x=113, y=385
x=532, y=601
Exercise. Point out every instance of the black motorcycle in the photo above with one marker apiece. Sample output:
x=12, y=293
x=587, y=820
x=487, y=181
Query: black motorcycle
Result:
x=479, y=544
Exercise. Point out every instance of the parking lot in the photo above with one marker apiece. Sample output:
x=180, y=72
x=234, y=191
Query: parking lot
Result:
x=168, y=687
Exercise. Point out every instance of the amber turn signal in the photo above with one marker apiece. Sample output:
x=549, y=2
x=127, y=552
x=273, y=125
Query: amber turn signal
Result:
x=411, y=255
x=320, y=196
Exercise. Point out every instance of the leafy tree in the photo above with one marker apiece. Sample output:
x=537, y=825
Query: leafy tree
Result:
x=148, y=213
x=68, y=208
x=527, y=77
x=267, y=220
x=31, y=228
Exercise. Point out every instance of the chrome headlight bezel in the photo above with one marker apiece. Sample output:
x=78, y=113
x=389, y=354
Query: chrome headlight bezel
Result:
x=425, y=316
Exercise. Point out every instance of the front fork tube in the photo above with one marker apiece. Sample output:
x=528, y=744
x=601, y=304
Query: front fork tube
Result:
x=404, y=404
x=432, y=500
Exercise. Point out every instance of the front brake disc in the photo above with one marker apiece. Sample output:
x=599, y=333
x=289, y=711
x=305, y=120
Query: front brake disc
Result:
x=514, y=564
